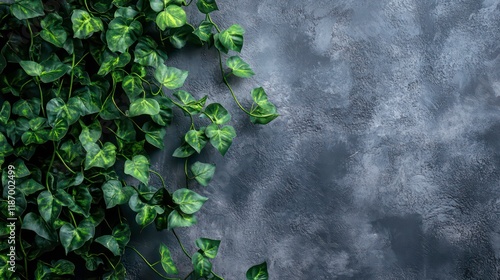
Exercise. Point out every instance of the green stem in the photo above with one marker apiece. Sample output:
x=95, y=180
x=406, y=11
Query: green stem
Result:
x=149, y=264
x=180, y=244
x=31, y=40
x=185, y=110
x=212, y=22
x=50, y=167
x=62, y=160
x=41, y=95
x=73, y=218
x=216, y=275
x=71, y=79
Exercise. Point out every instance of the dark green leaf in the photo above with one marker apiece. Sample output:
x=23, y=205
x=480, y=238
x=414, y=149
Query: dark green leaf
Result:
x=125, y=130
x=154, y=134
x=73, y=238
x=258, y=272
x=239, y=67
x=29, y=108
x=146, y=53
x=265, y=111
x=90, y=98
x=112, y=61
x=118, y=273
x=206, y=6
x=192, y=105
x=25, y=9
x=35, y=223
x=57, y=109
x=176, y=219
x=90, y=134
x=170, y=77
x=221, y=138
x=97, y=157
x=209, y=247
x=5, y=112
x=78, y=200
x=52, y=31
x=203, y=172
x=146, y=214
x=5, y=148
x=115, y=194
x=31, y=68
x=232, y=38
x=159, y=5
x=166, y=260
x=179, y=36
x=92, y=263
x=49, y=208
x=117, y=241
x=59, y=130
x=172, y=16
x=84, y=25
x=138, y=168
x=201, y=265
x=184, y=151
x=128, y=13
x=217, y=113
x=29, y=186
x=53, y=69
x=122, y=33
x=132, y=85
x=196, y=139
x=62, y=267
x=204, y=31
x=188, y=201
x=144, y=106
x=35, y=137
x=165, y=116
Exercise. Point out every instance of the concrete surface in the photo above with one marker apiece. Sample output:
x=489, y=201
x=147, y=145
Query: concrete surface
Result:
x=385, y=161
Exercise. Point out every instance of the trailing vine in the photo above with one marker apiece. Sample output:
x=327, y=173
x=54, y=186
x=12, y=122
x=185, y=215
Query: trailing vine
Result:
x=87, y=95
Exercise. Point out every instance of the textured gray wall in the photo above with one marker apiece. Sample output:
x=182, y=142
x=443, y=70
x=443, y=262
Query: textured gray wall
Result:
x=385, y=161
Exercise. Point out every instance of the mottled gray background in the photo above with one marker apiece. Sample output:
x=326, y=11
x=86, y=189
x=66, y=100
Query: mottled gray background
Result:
x=385, y=161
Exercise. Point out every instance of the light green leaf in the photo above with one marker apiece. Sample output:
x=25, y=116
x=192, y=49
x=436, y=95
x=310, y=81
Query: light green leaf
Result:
x=5, y=112
x=220, y=138
x=31, y=68
x=192, y=105
x=122, y=33
x=112, y=61
x=172, y=16
x=28, y=108
x=196, y=139
x=207, y=6
x=239, y=67
x=52, y=31
x=209, y=247
x=146, y=214
x=26, y=9
x=258, y=272
x=203, y=172
x=97, y=157
x=170, y=77
x=84, y=25
x=188, y=201
x=217, y=113
x=232, y=38
x=138, y=168
x=144, y=106
x=74, y=238
x=166, y=260
x=115, y=194
x=204, y=31
x=201, y=265
x=184, y=151
x=35, y=223
x=176, y=219
x=49, y=208
x=147, y=53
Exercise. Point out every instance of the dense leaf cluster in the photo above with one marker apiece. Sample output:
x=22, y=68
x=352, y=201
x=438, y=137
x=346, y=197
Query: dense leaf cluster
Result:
x=82, y=102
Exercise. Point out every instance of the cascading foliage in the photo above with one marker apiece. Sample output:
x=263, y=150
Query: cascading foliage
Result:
x=82, y=102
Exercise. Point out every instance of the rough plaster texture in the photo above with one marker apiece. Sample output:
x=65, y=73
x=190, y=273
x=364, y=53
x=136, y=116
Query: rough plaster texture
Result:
x=385, y=161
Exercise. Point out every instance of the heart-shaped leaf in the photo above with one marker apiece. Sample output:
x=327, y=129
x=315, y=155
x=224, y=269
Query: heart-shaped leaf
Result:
x=57, y=109
x=84, y=25
x=220, y=138
x=53, y=31
x=209, y=247
x=189, y=201
x=265, y=111
x=154, y=134
x=258, y=272
x=115, y=193
x=217, y=113
x=166, y=260
x=146, y=53
x=207, y=6
x=31, y=68
x=144, y=106
x=138, y=168
x=97, y=157
x=28, y=108
x=35, y=223
x=26, y=9
x=196, y=139
x=176, y=219
x=232, y=38
x=112, y=61
x=73, y=238
x=5, y=112
x=49, y=207
x=53, y=69
x=203, y=172
x=170, y=77
x=239, y=67
x=122, y=33
x=204, y=31
x=201, y=265
x=172, y=16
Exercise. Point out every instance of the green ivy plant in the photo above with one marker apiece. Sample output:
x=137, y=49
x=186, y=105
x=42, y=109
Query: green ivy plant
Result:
x=87, y=95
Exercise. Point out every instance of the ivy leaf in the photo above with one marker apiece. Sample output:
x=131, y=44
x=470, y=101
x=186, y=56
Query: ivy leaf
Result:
x=154, y=134
x=172, y=16
x=159, y=5
x=112, y=61
x=117, y=274
x=258, y=272
x=207, y=6
x=97, y=157
x=57, y=109
x=122, y=33
x=5, y=112
x=166, y=260
x=117, y=241
x=71, y=151
x=84, y=25
x=146, y=53
x=62, y=267
x=59, y=130
x=170, y=77
x=90, y=134
x=90, y=98
x=220, y=138
x=78, y=200
x=29, y=186
x=188, y=201
x=35, y=223
x=209, y=247
x=204, y=31
x=31, y=68
x=26, y=9
x=35, y=137
x=146, y=214
x=126, y=12
x=144, y=106
x=203, y=172
x=184, y=151
x=132, y=85
x=239, y=67
x=196, y=139
x=201, y=265
x=232, y=38
x=102, y=6
x=175, y=220
x=125, y=130
x=92, y=263
x=53, y=69
x=49, y=208
x=115, y=194
x=265, y=111
x=165, y=116
x=217, y=113
x=74, y=238
x=192, y=105
x=52, y=31
x=5, y=148
x=28, y=108
x=179, y=36
x=138, y=168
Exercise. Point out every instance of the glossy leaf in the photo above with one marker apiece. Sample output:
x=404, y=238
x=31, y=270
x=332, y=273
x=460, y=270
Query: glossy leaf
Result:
x=146, y=53
x=73, y=238
x=184, y=151
x=59, y=130
x=166, y=260
x=132, y=85
x=239, y=67
x=97, y=157
x=49, y=207
x=125, y=130
x=29, y=186
x=138, y=168
x=115, y=193
x=265, y=111
x=126, y=12
x=258, y=272
x=232, y=38
x=122, y=33
x=90, y=134
x=217, y=113
x=84, y=24
x=204, y=31
x=188, y=201
x=209, y=247
x=165, y=116
x=5, y=112
x=35, y=137
x=191, y=105
x=207, y=6
x=203, y=172
x=57, y=109
x=176, y=219
x=31, y=68
x=159, y=5
x=5, y=148
x=26, y=9
x=112, y=61
x=170, y=77
x=53, y=31
x=35, y=223
x=196, y=139
x=117, y=241
x=221, y=138
x=154, y=134
x=144, y=106
x=172, y=16
x=53, y=69
x=179, y=36
x=201, y=265
x=29, y=108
